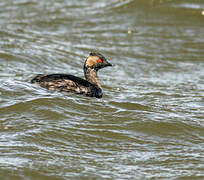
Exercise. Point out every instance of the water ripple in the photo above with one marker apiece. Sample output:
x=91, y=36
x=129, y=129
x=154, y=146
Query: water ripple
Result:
x=150, y=119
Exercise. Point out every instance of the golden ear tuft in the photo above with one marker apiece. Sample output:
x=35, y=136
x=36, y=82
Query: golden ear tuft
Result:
x=91, y=60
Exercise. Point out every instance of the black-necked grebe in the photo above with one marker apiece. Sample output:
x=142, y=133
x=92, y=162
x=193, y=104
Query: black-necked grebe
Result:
x=69, y=83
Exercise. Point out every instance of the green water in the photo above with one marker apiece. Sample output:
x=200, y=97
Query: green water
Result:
x=150, y=122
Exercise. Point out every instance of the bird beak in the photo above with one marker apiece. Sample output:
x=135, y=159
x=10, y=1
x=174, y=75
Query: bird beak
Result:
x=107, y=64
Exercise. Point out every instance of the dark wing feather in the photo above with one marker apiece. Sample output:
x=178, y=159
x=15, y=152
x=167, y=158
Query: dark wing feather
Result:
x=68, y=77
x=68, y=83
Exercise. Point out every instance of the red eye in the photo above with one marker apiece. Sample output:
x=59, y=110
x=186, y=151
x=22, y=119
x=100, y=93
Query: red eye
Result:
x=100, y=61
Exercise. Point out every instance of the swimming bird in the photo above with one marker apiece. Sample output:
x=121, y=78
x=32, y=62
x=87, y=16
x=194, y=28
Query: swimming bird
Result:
x=70, y=83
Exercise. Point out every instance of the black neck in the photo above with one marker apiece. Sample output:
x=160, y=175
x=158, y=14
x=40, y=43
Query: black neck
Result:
x=91, y=76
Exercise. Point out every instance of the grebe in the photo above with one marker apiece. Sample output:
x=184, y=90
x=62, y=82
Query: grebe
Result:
x=69, y=83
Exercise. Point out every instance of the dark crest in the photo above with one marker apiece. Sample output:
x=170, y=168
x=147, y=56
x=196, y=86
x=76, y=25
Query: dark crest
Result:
x=97, y=54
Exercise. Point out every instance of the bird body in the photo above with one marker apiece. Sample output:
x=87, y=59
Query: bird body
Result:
x=70, y=83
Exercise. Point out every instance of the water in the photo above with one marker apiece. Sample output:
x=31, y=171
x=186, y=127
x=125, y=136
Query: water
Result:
x=150, y=122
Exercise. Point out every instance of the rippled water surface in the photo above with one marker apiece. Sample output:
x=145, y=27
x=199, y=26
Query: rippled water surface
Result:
x=150, y=121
